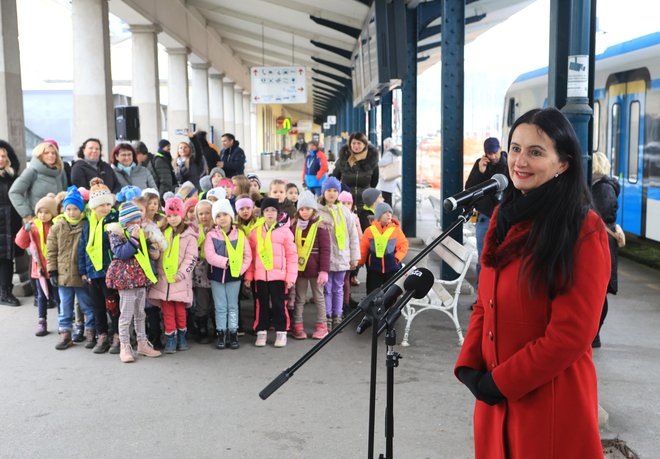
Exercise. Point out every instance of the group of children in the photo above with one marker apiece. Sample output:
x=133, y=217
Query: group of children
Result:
x=142, y=265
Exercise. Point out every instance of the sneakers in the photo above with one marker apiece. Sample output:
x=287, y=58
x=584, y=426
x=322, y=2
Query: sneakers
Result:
x=78, y=333
x=280, y=339
x=298, y=332
x=170, y=343
x=126, y=353
x=233, y=340
x=65, y=341
x=90, y=339
x=42, y=328
x=146, y=349
x=114, y=347
x=320, y=332
x=102, y=344
x=336, y=321
x=261, y=338
x=328, y=323
x=182, y=343
x=222, y=340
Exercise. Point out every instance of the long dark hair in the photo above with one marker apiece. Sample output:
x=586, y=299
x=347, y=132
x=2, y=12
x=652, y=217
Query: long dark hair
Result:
x=556, y=227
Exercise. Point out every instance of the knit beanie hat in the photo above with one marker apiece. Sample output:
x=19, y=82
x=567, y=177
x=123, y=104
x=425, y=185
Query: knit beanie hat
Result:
x=162, y=143
x=128, y=192
x=190, y=203
x=74, y=197
x=380, y=209
x=369, y=196
x=217, y=192
x=175, y=206
x=153, y=191
x=186, y=190
x=269, y=202
x=99, y=194
x=217, y=170
x=222, y=206
x=307, y=199
x=84, y=192
x=244, y=202
x=48, y=203
x=53, y=143
x=254, y=178
x=128, y=212
x=205, y=183
x=226, y=182
x=345, y=196
x=331, y=182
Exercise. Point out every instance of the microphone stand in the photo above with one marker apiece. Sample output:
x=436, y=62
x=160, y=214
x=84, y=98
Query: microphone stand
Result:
x=372, y=305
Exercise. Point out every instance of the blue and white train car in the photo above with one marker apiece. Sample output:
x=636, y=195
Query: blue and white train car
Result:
x=626, y=124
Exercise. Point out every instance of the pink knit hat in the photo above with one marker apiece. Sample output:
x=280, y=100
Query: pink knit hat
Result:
x=345, y=196
x=175, y=206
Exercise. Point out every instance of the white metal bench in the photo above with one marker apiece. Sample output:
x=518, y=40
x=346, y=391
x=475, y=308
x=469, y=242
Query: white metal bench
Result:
x=444, y=294
x=436, y=204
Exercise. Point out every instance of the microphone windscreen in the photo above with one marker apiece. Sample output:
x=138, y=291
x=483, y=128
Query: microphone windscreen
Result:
x=502, y=181
x=420, y=281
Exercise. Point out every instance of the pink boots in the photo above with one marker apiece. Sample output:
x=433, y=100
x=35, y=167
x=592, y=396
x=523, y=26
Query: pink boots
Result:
x=298, y=332
x=320, y=332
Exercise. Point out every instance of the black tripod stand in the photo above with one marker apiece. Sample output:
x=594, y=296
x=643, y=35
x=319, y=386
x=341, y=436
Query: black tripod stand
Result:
x=383, y=319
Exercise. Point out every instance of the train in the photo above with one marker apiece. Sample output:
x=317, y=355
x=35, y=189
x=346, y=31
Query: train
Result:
x=626, y=124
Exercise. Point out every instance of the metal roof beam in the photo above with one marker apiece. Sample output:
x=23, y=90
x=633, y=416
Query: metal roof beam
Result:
x=341, y=68
x=343, y=28
x=341, y=80
x=333, y=49
x=428, y=12
x=329, y=84
x=422, y=48
x=312, y=10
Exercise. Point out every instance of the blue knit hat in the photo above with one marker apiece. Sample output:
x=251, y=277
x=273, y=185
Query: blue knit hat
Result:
x=331, y=182
x=74, y=197
x=128, y=192
x=129, y=211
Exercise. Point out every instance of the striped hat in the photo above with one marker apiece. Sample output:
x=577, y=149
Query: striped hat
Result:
x=128, y=212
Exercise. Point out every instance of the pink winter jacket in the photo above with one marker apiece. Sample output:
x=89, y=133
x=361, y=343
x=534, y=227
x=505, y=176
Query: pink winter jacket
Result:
x=285, y=255
x=182, y=289
x=24, y=242
x=220, y=261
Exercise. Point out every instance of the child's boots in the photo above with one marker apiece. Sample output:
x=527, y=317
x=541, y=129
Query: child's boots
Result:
x=126, y=353
x=233, y=339
x=146, y=349
x=65, y=341
x=170, y=343
x=321, y=331
x=42, y=328
x=298, y=331
x=182, y=342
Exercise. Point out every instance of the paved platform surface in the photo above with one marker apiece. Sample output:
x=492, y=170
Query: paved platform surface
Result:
x=204, y=402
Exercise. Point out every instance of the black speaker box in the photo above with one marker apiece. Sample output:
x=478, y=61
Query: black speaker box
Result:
x=127, y=123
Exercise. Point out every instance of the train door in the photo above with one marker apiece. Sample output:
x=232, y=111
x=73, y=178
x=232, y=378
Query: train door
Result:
x=625, y=145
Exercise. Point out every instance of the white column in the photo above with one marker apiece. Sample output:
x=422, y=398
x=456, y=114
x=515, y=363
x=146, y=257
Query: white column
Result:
x=247, y=131
x=146, y=83
x=238, y=115
x=12, y=122
x=93, y=114
x=228, y=106
x=177, y=90
x=216, y=114
x=200, y=95
x=254, y=132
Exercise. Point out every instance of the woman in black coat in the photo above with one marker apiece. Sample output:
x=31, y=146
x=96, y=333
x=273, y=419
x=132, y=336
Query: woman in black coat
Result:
x=10, y=223
x=605, y=190
x=188, y=165
x=357, y=166
x=90, y=165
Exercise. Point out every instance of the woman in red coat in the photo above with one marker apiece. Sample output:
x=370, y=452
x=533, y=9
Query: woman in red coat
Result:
x=545, y=269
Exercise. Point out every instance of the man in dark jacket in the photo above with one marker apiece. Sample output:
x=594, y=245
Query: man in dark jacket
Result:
x=203, y=147
x=160, y=167
x=492, y=162
x=232, y=157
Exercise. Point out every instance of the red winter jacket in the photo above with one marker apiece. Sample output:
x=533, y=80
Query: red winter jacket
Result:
x=23, y=241
x=538, y=349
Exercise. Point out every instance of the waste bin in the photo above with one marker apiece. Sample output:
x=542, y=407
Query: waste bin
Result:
x=272, y=159
x=265, y=161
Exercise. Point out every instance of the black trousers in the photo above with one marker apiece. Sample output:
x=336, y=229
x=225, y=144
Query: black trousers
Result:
x=375, y=279
x=98, y=293
x=270, y=305
x=387, y=196
x=6, y=273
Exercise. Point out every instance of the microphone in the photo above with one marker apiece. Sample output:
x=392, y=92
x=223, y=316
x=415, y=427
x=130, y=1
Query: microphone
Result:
x=417, y=285
x=389, y=297
x=491, y=186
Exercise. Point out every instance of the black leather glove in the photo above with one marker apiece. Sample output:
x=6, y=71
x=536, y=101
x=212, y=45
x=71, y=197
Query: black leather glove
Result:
x=52, y=277
x=482, y=391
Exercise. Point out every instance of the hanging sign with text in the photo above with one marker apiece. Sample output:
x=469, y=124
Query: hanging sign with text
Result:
x=279, y=85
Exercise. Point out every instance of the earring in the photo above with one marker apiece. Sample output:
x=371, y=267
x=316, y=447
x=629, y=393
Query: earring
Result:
x=556, y=174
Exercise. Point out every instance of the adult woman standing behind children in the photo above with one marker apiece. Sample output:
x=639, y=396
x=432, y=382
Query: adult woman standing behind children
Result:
x=91, y=165
x=127, y=169
x=10, y=223
x=357, y=166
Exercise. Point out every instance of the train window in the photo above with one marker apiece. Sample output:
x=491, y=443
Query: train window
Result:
x=633, y=145
x=596, y=125
x=615, y=138
x=511, y=114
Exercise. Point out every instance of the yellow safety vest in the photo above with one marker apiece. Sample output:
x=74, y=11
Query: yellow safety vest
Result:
x=94, y=246
x=265, y=248
x=340, y=226
x=200, y=241
x=42, y=239
x=380, y=240
x=171, y=256
x=305, y=245
x=235, y=255
x=142, y=257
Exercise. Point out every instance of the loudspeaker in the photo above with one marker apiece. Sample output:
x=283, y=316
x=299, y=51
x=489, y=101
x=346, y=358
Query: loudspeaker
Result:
x=127, y=123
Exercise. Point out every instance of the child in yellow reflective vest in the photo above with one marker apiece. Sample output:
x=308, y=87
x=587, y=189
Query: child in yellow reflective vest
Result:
x=383, y=247
x=229, y=255
x=34, y=236
x=131, y=272
x=203, y=308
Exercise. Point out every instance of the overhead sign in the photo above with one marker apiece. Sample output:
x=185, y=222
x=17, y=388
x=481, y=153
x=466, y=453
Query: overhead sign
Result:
x=279, y=85
x=282, y=125
x=332, y=119
x=326, y=126
x=305, y=125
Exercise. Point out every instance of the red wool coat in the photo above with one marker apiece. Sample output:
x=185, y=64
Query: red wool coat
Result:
x=539, y=351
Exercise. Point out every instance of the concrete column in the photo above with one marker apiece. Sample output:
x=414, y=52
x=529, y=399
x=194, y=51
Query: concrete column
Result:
x=200, y=96
x=177, y=89
x=253, y=133
x=12, y=122
x=247, y=130
x=146, y=83
x=238, y=115
x=93, y=114
x=228, y=106
x=216, y=114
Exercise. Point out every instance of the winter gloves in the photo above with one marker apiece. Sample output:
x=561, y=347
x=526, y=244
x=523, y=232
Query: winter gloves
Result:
x=481, y=384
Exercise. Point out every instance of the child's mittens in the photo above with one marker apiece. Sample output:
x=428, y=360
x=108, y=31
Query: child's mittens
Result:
x=322, y=278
